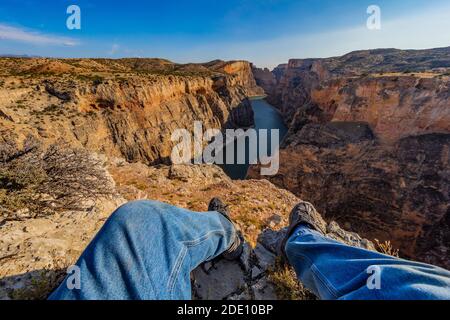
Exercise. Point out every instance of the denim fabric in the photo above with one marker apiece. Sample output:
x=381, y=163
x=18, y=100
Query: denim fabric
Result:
x=333, y=270
x=146, y=251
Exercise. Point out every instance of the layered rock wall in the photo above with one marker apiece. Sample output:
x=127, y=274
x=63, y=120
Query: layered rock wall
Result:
x=368, y=143
x=132, y=114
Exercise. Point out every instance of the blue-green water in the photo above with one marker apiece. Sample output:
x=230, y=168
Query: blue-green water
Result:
x=266, y=117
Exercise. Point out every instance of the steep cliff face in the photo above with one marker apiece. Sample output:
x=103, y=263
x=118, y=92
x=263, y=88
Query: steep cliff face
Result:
x=268, y=80
x=398, y=193
x=241, y=117
x=77, y=140
x=368, y=142
x=36, y=251
x=296, y=80
x=394, y=106
x=265, y=79
x=241, y=71
x=127, y=108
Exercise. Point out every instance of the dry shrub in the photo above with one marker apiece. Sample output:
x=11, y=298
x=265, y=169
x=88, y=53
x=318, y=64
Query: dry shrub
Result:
x=387, y=248
x=36, y=183
x=287, y=287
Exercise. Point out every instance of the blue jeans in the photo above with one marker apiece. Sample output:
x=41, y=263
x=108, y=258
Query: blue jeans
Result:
x=335, y=271
x=147, y=250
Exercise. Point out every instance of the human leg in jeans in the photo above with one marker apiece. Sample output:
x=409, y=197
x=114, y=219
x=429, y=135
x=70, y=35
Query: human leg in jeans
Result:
x=333, y=270
x=147, y=250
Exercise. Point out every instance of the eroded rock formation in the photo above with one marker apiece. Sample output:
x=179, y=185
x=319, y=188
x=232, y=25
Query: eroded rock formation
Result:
x=80, y=137
x=35, y=251
x=368, y=143
x=126, y=108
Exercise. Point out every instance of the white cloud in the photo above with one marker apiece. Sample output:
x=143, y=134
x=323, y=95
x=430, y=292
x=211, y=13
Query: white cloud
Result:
x=29, y=36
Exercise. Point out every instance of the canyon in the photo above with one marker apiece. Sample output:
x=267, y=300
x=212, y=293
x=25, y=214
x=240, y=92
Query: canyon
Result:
x=80, y=137
x=123, y=108
x=368, y=143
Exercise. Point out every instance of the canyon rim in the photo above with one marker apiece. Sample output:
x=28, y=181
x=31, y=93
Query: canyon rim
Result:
x=367, y=143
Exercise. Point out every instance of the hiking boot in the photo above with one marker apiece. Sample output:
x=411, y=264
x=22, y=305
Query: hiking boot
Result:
x=235, y=250
x=303, y=214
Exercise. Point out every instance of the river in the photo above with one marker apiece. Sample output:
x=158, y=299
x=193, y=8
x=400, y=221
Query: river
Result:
x=266, y=117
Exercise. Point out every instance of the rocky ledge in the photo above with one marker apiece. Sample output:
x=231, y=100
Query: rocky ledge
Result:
x=40, y=239
x=260, y=274
x=122, y=108
x=368, y=142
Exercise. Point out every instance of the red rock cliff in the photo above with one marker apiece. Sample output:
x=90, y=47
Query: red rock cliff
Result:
x=369, y=141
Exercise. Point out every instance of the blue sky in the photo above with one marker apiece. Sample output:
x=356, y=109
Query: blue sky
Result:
x=266, y=32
